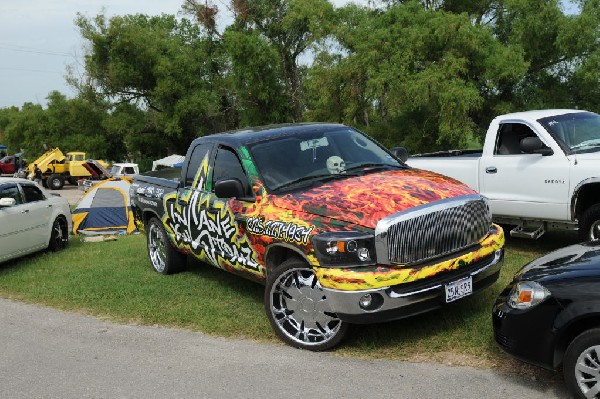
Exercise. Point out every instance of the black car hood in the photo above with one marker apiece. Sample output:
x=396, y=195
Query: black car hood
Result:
x=575, y=261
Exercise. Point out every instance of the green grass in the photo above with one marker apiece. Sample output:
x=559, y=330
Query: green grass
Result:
x=114, y=280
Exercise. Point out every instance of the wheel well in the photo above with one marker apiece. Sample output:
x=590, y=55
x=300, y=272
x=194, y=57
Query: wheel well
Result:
x=569, y=335
x=278, y=254
x=146, y=216
x=587, y=196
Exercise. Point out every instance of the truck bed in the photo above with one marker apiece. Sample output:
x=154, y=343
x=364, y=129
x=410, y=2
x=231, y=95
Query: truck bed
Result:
x=164, y=179
x=450, y=154
x=462, y=165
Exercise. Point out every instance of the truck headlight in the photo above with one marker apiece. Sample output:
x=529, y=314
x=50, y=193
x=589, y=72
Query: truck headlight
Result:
x=345, y=248
x=527, y=294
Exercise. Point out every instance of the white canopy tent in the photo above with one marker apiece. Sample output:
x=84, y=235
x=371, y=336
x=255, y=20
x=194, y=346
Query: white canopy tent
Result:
x=169, y=161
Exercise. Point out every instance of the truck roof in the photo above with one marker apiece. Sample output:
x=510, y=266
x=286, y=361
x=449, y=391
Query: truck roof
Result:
x=254, y=134
x=538, y=114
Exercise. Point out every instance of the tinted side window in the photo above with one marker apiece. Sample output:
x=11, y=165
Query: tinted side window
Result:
x=196, y=158
x=32, y=193
x=227, y=165
x=11, y=191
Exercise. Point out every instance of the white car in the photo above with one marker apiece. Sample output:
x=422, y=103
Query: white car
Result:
x=31, y=219
x=124, y=169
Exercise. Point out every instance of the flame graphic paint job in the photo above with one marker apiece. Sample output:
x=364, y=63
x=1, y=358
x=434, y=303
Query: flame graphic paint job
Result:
x=365, y=200
x=271, y=237
x=382, y=276
x=352, y=204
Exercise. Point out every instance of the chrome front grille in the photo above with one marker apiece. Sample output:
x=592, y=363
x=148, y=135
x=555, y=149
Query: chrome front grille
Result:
x=432, y=230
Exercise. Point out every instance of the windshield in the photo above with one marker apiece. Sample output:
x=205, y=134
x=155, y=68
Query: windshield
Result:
x=315, y=156
x=575, y=132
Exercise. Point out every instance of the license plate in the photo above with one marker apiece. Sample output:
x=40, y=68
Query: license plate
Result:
x=459, y=289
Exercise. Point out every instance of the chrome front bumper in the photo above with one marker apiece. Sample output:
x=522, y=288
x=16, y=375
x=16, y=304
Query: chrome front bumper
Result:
x=409, y=299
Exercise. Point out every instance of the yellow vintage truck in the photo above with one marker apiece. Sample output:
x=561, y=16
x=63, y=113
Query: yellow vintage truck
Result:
x=57, y=168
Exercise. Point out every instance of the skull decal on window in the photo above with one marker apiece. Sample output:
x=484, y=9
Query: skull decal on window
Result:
x=336, y=165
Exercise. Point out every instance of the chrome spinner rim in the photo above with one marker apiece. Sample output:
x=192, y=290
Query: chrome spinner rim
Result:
x=156, y=248
x=59, y=234
x=587, y=372
x=300, y=308
x=595, y=231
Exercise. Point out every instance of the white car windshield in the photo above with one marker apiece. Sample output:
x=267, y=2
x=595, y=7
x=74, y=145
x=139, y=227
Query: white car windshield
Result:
x=575, y=132
x=306, y=158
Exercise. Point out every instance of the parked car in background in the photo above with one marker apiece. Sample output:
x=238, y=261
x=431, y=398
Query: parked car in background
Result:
x=31, y=219
x=549, y=315
x=539, y=169
x=11, y=163
x=124, y=169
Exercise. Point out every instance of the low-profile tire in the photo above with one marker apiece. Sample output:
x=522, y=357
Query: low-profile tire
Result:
x=589, y=224
x=164, y=257
x=581, y=365
x=55, y=182
x=59, y=236
x=298, y=310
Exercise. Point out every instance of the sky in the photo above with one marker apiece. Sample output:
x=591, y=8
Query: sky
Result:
x=39, y=39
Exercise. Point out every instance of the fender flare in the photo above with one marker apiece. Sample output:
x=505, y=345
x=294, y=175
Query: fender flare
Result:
x=286, y=246
x=576, y=192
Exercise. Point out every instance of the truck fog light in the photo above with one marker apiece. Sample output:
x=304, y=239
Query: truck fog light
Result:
x=370, y=302
x=363, y=254
x=365, y=301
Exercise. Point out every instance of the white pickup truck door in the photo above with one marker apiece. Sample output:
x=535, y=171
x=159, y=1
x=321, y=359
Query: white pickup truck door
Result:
x=528, y=185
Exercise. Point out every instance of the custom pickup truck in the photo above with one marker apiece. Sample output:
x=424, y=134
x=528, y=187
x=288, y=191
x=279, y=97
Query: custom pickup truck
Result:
x=339, y=230
x=538, y=169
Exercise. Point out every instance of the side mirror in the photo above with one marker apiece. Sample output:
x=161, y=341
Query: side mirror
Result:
x=229, y=188
x=6, y=202
x=400, y=153
x=533, y=145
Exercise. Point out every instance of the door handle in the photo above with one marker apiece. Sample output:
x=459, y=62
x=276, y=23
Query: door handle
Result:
x=491, y=169
x=25, y=211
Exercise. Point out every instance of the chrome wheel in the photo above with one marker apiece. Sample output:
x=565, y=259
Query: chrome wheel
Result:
x=587, y=372
x=59, y=236
x=299, y=310
x=595, y=231
x=157, y=247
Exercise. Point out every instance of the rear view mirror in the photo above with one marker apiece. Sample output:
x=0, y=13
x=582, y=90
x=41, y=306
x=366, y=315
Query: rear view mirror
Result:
x=400, y=153
x=533, y=145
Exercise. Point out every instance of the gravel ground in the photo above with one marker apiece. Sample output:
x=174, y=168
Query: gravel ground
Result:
x=71, y=193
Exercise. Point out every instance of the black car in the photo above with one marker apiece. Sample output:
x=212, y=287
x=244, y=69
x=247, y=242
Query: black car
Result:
x=549, y=315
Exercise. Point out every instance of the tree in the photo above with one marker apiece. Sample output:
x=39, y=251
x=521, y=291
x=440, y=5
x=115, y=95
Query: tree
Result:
x=420, y=75
x=161, y=66
x=270, y=35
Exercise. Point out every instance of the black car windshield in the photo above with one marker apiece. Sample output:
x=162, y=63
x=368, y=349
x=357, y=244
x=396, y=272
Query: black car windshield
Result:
x=575, y=132
x=315, y=156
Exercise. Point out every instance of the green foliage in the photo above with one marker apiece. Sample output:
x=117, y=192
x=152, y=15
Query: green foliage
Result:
x=427, y=75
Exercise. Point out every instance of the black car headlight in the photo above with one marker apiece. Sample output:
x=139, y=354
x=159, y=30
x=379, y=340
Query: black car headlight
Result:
x=345, y=248
x=527, y=294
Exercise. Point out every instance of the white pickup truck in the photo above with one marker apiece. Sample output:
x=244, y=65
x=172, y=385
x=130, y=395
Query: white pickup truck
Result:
x=539, y=169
